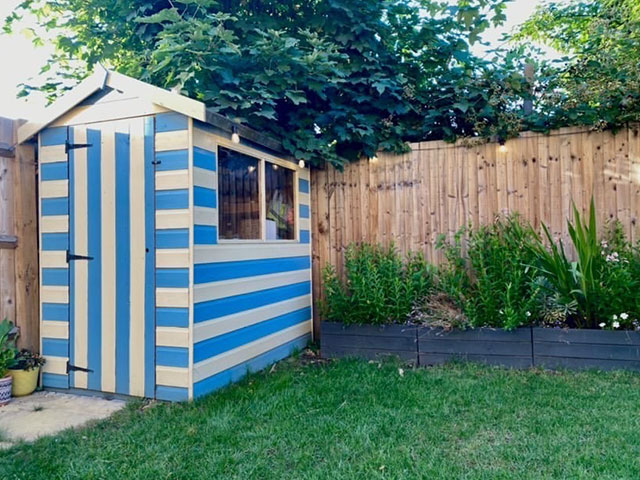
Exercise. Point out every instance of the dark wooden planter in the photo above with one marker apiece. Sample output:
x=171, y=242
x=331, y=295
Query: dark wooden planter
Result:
x=484, y=345
x=578, y=349
x=368, y=341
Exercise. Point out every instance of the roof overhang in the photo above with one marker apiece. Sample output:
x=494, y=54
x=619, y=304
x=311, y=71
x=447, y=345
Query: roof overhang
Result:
x=102, y=78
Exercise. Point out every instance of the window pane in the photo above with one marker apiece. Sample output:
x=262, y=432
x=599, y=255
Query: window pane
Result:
x=279, y=197
x=239, y=209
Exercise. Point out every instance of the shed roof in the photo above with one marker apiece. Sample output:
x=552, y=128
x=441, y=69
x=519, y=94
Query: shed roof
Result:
x=103, y=78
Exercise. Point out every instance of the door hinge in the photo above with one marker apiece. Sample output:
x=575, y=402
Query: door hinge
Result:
x=72, y=146
x=73, y=256
x=74, y=368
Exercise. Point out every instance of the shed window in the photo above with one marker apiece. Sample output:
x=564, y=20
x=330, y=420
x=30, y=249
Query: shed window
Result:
x=251, y=189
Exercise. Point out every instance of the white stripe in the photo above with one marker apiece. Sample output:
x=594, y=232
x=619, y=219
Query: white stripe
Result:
x=304, y=224
x=53, y=259
x=172, y=179
x=303, y=198
x=220, y=363
x=108, y=210
x=205, y=216
x=248, y=251
x=50, y=329
x=227, y=288
x=172, y=297
x=204, y=139
x=204, y=178
x=54, y=189
x=54, y=294
x=175, y=140
x=172, y=218
x=172, y=258
x=138, y=260
x=52, y=153
x=304, y=174
x=172, y=337
x=55, y=224
x=81, y=269
x=172, y=376
x=218, y=326
x=57, y=365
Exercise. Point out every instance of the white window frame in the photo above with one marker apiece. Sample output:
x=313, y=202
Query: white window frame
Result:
x=262, y=159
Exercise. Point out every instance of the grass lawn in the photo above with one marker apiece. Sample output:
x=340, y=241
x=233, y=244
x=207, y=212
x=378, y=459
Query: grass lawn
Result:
x=353, y=419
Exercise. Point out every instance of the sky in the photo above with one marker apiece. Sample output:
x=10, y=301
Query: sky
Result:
x=22, y=60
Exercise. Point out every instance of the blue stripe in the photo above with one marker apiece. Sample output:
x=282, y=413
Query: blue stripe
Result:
x=94, y=237
x=172, y=160
x=123, y=261
x=172, y=394
x=213, y=272
x=204, y=159
x=72, y=270
x=53, y=136
x=303, y=185
x=169, y=122
x=54, y=171
x=260, y=362
x=55, y=276
x=172, y=356
x=172, y=199
x=239, y=303
x=304, y=211
x=55, y=241
x=228, y=341
x=204, y=197
x=305, y=236
x=172, y=238
x=205, y=235
x=55, y=380
x=172, y=277
x=172, y=317
x=56, y=347
x=55, y=206
x=150, y=264
x=57, y=312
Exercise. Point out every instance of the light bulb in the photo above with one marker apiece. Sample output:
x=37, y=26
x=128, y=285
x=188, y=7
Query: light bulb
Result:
x=301, y=164
x=373, y=159
x=275, y=167
x=503, y=148
x=235, y=138
x=252, y=168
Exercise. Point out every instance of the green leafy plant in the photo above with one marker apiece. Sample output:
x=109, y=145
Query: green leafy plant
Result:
x=378, y=286
x=7, y=347
x=27, y=360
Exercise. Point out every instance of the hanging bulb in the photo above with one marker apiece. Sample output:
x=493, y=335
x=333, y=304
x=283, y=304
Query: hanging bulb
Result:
x=502, y=148
x=275, y=167
x=373, y=159
x=301, y=164
x=235, y=138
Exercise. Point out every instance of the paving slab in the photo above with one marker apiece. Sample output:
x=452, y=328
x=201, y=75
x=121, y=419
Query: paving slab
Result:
x=46, y=413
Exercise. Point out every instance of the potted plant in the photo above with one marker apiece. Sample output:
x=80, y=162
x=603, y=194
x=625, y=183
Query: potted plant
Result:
x=7, y=355
x=24, y=371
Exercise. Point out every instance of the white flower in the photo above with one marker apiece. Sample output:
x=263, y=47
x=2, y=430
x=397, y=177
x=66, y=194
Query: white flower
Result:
x=528, y=314
x=602, y=325
x=624, y=316
x=615, y=317
x=603, y=253
x=616, y=324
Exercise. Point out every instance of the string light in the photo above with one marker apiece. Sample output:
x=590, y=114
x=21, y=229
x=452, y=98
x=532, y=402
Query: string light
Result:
x=301, y=164
x=502, y=148
x=235, y=138
x=373, y=159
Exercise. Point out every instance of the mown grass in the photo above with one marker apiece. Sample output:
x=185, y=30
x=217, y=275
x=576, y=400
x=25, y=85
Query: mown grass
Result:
x=353, y=419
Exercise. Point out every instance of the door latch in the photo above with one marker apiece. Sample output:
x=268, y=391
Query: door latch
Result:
x=73, y=256
x=74, y=368
x=72, y=146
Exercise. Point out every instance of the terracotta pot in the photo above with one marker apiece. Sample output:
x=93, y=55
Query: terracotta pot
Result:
x=24, y=381
x=5, y=390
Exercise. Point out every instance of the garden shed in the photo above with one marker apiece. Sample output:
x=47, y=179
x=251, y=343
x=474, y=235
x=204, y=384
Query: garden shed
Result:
x=174, y=243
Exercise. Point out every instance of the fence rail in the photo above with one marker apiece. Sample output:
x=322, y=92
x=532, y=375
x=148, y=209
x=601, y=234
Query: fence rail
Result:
x=437, y=188
x=18, y=235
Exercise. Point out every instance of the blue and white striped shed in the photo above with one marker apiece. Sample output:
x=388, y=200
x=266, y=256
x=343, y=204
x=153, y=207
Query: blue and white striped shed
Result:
x=140, y=294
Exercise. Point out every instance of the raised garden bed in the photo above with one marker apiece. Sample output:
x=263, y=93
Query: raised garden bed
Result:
x=578, y=349
x=521, y=348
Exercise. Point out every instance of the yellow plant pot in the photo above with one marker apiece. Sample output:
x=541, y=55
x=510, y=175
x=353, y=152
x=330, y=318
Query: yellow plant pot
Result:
x=24, y=381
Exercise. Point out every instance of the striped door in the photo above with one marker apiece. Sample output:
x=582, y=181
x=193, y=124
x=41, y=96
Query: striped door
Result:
x=111, y=220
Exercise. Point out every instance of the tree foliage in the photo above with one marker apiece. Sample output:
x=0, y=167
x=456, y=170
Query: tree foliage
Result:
x=336, y=79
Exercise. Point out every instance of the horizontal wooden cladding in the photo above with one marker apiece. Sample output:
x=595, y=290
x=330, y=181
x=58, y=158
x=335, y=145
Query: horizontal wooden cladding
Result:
x=580, y=349
x=437, y=188
x=368, y=341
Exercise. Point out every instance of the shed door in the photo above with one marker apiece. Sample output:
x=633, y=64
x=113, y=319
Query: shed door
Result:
x=111, y=257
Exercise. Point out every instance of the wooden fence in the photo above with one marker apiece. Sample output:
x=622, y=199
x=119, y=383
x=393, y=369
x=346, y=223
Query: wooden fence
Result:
x=438, y=187
x=18, y=235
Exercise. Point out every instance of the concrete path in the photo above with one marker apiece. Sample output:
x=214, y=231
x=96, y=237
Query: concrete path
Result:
x=46, y=413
